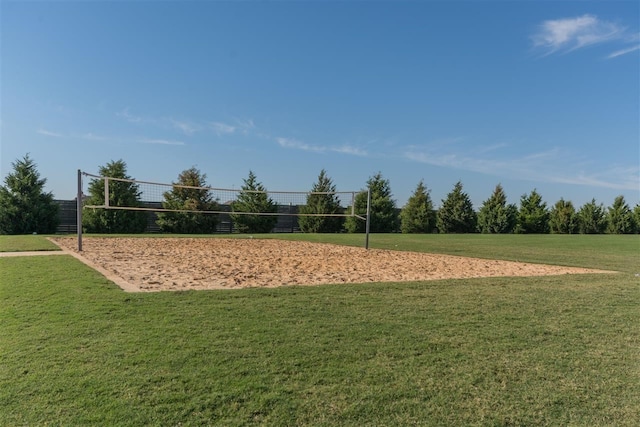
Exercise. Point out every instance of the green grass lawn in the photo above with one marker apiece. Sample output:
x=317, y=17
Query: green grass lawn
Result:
x=563, y=350
x=609, y=252
x=25, y=243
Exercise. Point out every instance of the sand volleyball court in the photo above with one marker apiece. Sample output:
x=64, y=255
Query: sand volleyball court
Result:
x=172, y=264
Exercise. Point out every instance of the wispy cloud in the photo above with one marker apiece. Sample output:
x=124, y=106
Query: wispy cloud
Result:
x=569, y=34
x=222, y=128
x=49, y=133
x=348, y=149
x=86, y=135
x=245, y=126
x=543, y=166
x=241, y=126
x=185, y=126
x=90, y=136
x=623, y=51
x=238, y=127
x=616, y=178
x=189, y=126
x=161, y=142
x=125, y=114
x=93, y=137
x=299, y=145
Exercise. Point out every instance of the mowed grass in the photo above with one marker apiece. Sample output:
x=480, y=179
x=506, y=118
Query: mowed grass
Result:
x=25, y=243
x=608, y=252
x=563, y=350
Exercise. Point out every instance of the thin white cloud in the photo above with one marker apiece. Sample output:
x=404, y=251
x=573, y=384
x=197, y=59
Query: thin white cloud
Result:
x=222, y=128
x=49, y=133
x=93, y=137
x=568, y=34
x=348, y=149
x=616, y=177
x=623, y=52
x=125, y=114
x=185, y=126
x=245, y=126
x=241, y=126
x=87, y=135
x=298, y=145
x=545, y=166
x=161, y=142
x=490, y=148
x=189, y=127
x=90, y=136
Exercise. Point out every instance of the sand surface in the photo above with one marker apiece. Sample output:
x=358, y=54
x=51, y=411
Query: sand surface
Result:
x=161, y=264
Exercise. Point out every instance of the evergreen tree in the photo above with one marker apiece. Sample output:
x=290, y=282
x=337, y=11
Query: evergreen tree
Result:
x=592, y=218
x=456, y=215
x=496, y=216
x=418, y=216
x=318, y=203
x=563, y=218
x=121, y=193
x=533, y=216
x=636, y=217
x=25, y=207
x=253, y=198
x=192, y=199
x=620, y=218
x=383, y=215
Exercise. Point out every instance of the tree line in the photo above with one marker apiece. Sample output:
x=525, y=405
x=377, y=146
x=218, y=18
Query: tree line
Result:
x=26, y=208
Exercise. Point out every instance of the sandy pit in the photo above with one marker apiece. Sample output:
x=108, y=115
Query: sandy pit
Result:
x=170, y=264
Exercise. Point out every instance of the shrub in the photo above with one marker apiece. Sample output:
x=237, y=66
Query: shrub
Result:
x=592, y=218
x=418, y=216
x=495, y=215
x=620, y=218
x=321, y=204
x=192, y=199
x=383, y=215
x=456, y=215
x=25, y=207
x=253, y=198
x=121, y=193
x=563, y=218
x=533, y=216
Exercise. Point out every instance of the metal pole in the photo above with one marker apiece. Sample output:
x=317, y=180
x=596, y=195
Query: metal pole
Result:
x=291, y=215
x=79, y=211
x=353, y=204
x=106, y=191
x=366, y=241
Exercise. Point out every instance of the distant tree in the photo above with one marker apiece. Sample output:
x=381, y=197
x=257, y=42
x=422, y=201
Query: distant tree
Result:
x=318, y=202
x=25, y=207
x=592, y=218
x=253, y=198
x=191, y=199
x=636, y=217
x=383, y=208
x=533, y=216
x=121, y=193
x=620, y=218
x=456, y=215
x=418, y=216
x=495, y=215
x=563, y=218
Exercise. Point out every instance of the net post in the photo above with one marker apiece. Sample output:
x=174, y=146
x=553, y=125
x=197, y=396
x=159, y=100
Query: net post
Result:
x=366, y=240
x=106, y=191
x=353, y=203
x=79, y=211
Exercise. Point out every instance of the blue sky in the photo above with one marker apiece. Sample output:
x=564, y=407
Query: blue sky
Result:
x=532, y=95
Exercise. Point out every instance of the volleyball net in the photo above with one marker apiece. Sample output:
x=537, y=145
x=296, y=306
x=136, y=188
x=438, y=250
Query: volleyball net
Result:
x=101, y=192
